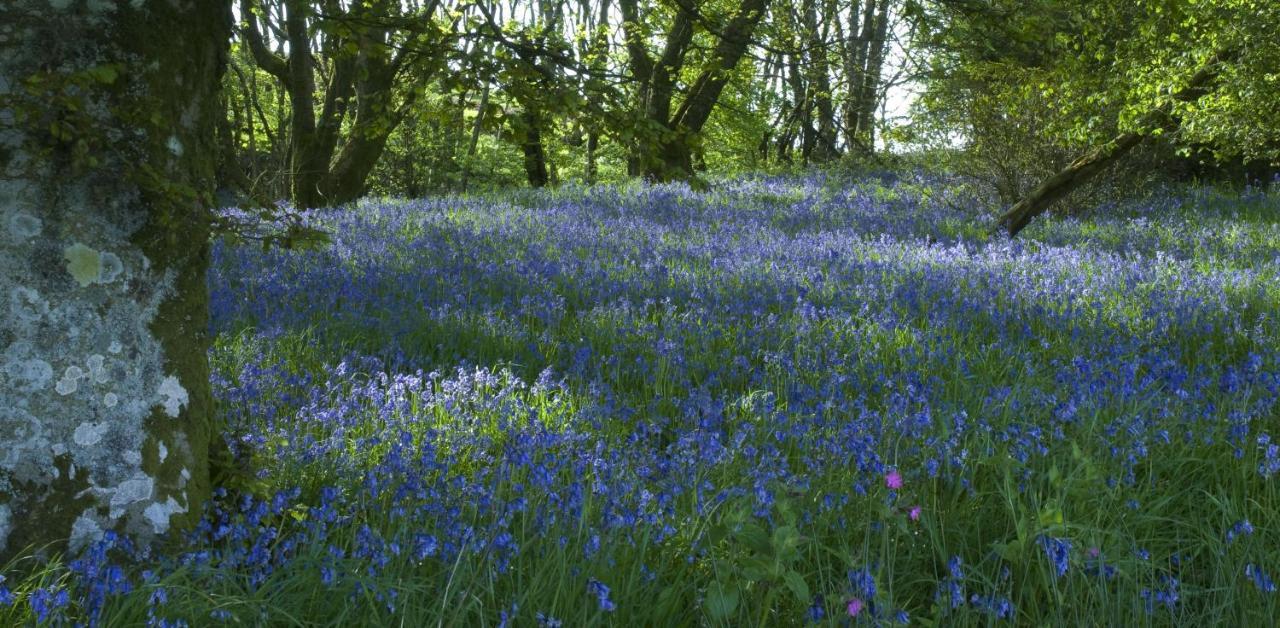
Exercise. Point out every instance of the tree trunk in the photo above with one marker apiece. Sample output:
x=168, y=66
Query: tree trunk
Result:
x=476, y=127
x=820, y=82
x=672, y=159
x=367, y=78
x=535, y=157
x=871, y=85
x=307, y=162
x=1062, y=183
x=593, y=143
x=106, y=416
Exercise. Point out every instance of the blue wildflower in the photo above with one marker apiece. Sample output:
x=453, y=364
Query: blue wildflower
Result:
x=1260, y=579
x=1059, y=553
x=601, y=591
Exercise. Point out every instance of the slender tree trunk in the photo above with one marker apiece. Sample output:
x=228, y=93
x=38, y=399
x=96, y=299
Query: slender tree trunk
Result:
x=593, y=143
x=106, y=416
x=820, y=81
x=535, y=157
x=476, y=127
x=861, y=25
x=307, y=163
x=871, y=86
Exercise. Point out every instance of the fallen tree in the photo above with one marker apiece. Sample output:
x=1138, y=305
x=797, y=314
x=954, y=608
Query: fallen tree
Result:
x=1081, y=170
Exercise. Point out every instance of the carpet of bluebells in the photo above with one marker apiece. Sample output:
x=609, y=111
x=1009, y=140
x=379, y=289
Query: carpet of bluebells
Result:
x=794, y=401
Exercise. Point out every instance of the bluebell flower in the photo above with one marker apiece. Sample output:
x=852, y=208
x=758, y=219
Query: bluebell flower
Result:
x=601, y=591
x=1059, y=553
x=1260, y=579
x=1242, y=527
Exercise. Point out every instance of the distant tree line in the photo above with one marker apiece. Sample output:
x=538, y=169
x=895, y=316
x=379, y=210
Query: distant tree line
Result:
x=328, y=100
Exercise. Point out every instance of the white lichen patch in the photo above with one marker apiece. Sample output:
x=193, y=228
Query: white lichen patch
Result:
x=114, y=347
x=175, y=145
x=131, y=492
x=26, y=304
x=110, y=400
x=70, y=381
x=23, y=435
x=85, y=530
x=29, y=375
x=164, y=452
x=23, y=226
x=84, y=263
x=110, y=267
x=159, y=514
x=66, y=386
x=95, y=362
x=90, y=434
x=173, y=396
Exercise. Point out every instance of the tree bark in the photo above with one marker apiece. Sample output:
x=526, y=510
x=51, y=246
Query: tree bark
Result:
x=535, y=156
x=871, y=85
x=824, y=148
x=474, y=141
x=864, y=61
x=672, y=158
x=367, y=78
x=105, y=193
x=1062, y=183
x=593, y=143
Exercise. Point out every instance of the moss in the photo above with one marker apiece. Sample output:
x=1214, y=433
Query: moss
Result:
x=176, y=237
x=46, y=508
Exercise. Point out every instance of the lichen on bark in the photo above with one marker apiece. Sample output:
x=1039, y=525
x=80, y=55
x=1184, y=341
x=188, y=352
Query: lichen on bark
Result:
x=105, y=415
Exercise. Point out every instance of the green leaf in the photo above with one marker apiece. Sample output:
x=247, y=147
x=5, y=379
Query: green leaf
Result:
x=755, y=538
x=785, y=541
x=796, y=583
x=721, y=601
x=757, y=568
x=1051, y=516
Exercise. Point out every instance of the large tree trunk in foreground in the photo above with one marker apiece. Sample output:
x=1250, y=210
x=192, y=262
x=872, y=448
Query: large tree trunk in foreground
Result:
x=1085, y=168
x=106, y=176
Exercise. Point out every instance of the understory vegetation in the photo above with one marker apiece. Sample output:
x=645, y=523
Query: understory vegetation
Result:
x=776, y=401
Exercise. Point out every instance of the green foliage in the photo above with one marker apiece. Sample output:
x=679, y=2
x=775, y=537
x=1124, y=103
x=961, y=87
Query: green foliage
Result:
x=1031, y=85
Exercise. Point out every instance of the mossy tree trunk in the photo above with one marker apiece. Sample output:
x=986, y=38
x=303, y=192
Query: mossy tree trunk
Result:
x=107, y=161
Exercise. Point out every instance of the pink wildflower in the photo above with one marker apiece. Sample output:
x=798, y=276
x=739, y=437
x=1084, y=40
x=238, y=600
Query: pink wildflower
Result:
x=893, y=479
x=915, y=513
x=855, y=606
